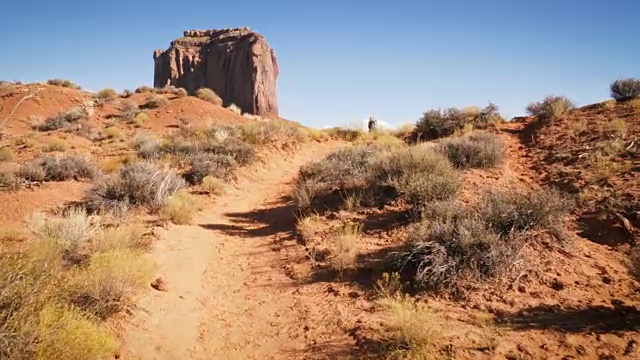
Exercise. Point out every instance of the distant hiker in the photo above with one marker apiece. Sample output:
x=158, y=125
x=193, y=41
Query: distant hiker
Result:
x=373, y=123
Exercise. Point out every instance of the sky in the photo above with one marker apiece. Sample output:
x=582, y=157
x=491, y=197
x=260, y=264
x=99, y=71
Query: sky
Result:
x=342, y=61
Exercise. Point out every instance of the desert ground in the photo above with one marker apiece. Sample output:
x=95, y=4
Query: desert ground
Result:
x=156, y=224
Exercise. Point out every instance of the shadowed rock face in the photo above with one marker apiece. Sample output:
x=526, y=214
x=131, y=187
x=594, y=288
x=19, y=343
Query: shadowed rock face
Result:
x=237, y=64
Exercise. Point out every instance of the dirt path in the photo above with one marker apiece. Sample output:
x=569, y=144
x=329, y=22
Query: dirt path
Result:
x=229, y=297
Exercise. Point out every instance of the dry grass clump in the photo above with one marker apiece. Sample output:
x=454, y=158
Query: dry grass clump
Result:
x=140, y=183
x=105, y=95
x=113, y=132
x=129, y=236
x=213, y=185
x=147, y=147
x=551, y=108
x=475, y=150
x=126, y=93
x=209, y=96
x=67, y=119
x=235, y=109
x=110, y=282
x=344, y=252
x=458, y=247
x=155, y=101
x=308, y=226
x=7, y=154
x=625, y=89
x=8, y=180
x=144, y=89
x=129, y=111
x=52, y=168
x=220, y=166
x=179, y=208
x=439, y=123
x=280, y=134
x=55, y=145
x=170, y=89
x=63, y=83
x=346, y=133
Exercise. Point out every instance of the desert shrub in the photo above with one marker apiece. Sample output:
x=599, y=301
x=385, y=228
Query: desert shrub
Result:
x=179, y=208
x=146, y=89
x=625, y=89
x=8, y=180
x=344, y=252
x=344, y=168
x=111, y=281
x=476, y=150
x=55, y=145
x=212, y=185
x=209, y=95
x=147, y=147
x=31, y=172
x=273, y=133
x=106, y=95
x=346, y=134
x=63, y=83
x=241, y=152
x=440, y=123
x=126, y=93
x=155, y=101
x=419, y=173
x=71, y=231
x=65, y=119
x=66, y=333
x=170, y=89
x=59, y=168
x=7, y=154
x=140, y=183
x=129, y=111
x=510, y=211
x=220, y=166
x=552, y=107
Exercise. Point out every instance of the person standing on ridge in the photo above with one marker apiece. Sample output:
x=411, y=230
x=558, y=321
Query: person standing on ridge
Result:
x=373, y=123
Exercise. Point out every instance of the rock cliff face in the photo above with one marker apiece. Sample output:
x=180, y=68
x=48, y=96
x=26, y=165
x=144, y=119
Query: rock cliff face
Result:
x=237, y=64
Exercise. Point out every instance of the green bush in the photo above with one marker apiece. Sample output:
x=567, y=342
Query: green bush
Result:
x=439, y=123
x=625, y=89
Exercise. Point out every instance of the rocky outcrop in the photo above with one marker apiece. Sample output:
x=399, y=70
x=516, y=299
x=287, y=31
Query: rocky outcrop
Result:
x=237, y=64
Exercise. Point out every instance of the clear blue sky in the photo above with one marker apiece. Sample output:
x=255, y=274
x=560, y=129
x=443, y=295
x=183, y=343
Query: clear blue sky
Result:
x=343, y=60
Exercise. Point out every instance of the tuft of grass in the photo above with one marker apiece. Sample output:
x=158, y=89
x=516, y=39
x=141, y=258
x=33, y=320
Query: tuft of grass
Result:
x=130, y=236
x=67, y=119
x=551, y=108
x=106, y=95
x=147, y=147
x=126, y=93
x=412, y=328
x=129, y=110
x=344, y=252
x=111, y=281
x=7, y=154
x=235, y=109
x=635, y=105
x=66, y=333
x=155, y=101
x=63, y=83
x=213, y=185
x=352, y=201
x=113, y=132
x=308, y=226
x=8, y=180
x=140, y=119
x=608, y=105
x=55, y=145
x=345, y=133
x=51, y=168
x=209, y=95
x=140, y=183
x=475, y=150
x=618, y=127
x=179, y=208
x=625, y=89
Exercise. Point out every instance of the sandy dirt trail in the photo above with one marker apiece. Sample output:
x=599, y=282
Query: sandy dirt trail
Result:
x=228, y=296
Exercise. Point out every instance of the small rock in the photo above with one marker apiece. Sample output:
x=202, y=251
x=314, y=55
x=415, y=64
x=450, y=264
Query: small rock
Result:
x=607, y=279
x=557, y=284
x=522, y=288
x=354, y=294
x=160, y=284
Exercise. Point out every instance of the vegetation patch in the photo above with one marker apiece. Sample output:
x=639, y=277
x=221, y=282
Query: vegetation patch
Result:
x=209, y=96
x=551, y=108
x=625, y=89
x=475, y=150
x=439, y=123
x=63, y=83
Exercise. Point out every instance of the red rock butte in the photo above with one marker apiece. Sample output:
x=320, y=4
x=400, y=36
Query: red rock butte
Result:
x=237, y=64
